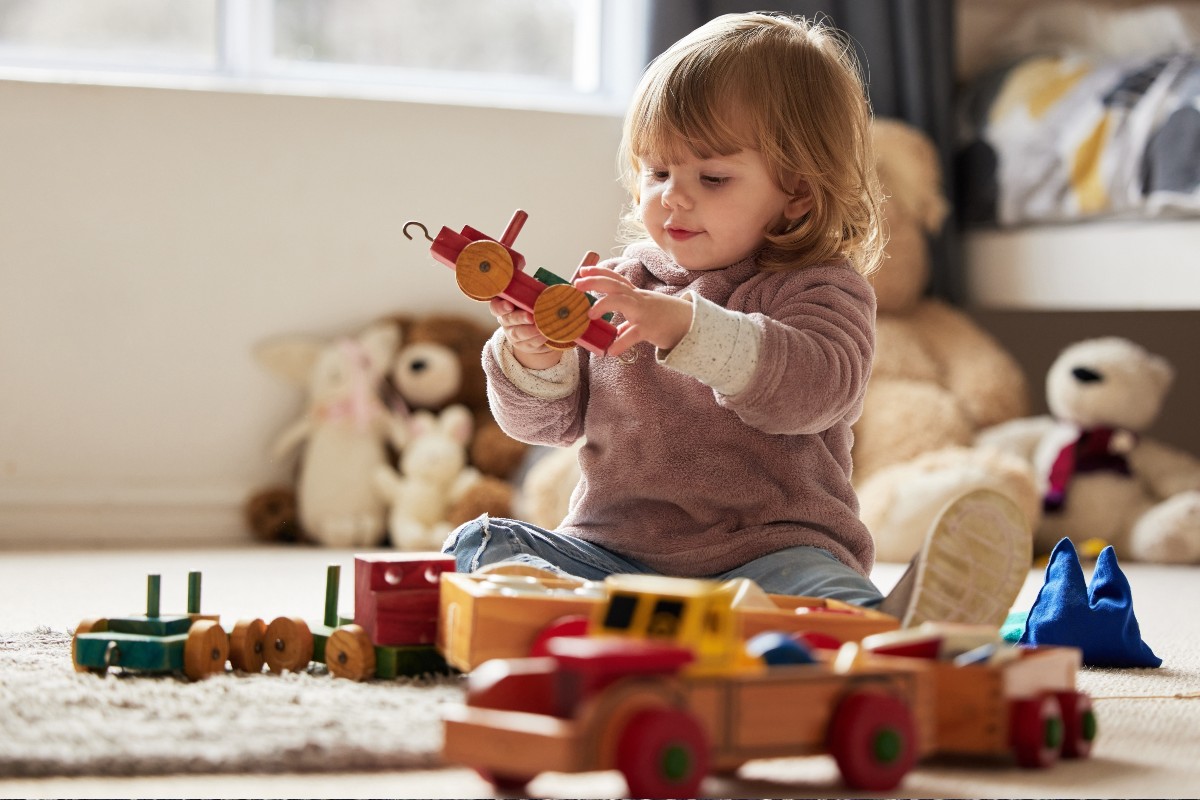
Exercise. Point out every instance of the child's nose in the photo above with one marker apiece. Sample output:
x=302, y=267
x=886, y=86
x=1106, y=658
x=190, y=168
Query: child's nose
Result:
x=675, y=195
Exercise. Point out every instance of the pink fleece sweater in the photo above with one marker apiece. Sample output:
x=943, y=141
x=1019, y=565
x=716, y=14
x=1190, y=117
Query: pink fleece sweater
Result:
x=687, y=479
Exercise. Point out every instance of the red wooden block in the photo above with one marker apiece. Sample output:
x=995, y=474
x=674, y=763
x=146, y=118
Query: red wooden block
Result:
x=389, y=571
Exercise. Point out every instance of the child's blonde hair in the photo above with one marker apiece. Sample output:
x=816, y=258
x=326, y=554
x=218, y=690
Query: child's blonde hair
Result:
x=787, y=87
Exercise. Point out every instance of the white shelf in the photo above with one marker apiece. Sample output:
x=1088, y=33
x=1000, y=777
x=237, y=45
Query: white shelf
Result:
x=1099, y=266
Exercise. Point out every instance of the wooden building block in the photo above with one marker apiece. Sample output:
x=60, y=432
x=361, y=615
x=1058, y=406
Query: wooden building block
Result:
x=150, y=626
x=130, y=651
x=411, y=660
x=478, y=620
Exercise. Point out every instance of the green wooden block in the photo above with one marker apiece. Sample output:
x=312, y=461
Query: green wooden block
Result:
x=320, y=634
x=150, y=626
x=409, y=660
x=130, y=651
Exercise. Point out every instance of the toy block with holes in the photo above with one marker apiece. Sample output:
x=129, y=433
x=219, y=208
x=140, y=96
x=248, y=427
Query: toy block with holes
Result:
x=486, y=268
x=489, y=615
x=192, y=644
x=391, y=634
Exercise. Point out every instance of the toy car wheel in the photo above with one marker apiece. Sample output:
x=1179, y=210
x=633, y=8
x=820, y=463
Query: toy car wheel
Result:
x=873, y=740
x=288, y=644
x=662, y=752
x=505, y=783
x=206, y=649
x=1036, y=731
x=246, y=644
x=570, y=625
x=350, y=654
x=483, y=269
x=561, y=313
x=1079, y=724
x=90, y=625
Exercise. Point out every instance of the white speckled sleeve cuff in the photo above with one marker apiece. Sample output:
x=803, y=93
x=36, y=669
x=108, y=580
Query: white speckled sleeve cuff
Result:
x=721, y=347
x=554, y=383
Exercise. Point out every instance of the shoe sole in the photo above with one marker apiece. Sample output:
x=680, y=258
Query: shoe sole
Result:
x=973, y=563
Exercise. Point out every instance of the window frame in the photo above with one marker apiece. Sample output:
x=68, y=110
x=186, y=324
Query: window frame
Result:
x=608, y=66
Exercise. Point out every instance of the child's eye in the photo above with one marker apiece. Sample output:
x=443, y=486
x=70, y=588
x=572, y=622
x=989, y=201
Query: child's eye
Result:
x=714, y=180
x=657, y=174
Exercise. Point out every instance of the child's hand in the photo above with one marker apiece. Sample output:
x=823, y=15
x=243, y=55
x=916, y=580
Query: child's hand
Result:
x=528, y=344
x=649, y=316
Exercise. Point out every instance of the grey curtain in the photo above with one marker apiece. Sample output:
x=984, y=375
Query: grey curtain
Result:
x=907, y=51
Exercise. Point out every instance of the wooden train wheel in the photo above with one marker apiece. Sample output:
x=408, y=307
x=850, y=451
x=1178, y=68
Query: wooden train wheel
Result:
x=288, y=644
x=561, y=313
x=350, y=654
x=87, y=626
x=483, y=269
x=206, y=649
x=246, y=644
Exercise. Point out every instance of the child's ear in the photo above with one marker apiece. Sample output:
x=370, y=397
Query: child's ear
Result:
x=800, y=202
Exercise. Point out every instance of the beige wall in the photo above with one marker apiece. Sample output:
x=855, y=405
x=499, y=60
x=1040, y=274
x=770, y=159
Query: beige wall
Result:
x=148, y=238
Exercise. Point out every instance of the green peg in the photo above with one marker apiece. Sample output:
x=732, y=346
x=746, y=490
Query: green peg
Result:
x=153, y=585
x=193, y=606
x=332, y=577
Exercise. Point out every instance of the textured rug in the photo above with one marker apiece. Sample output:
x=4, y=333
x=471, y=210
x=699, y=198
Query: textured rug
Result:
x=55, y=721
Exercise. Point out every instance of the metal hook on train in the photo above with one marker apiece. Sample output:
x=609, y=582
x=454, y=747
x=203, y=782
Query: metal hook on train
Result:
x=420, y=225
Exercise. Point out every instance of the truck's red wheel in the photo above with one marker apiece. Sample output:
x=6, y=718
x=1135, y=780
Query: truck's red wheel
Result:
x=505, y=783
x=873, y=739
x=1079, y=724
x=1036, y=731
x=663, y=752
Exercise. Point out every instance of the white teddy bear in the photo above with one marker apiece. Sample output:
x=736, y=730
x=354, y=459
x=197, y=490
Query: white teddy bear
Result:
x=344, y=431
x=433, y=475
x=1099, y=476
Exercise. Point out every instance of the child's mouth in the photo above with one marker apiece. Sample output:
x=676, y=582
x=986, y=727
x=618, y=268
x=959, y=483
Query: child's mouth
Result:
x=681, y=234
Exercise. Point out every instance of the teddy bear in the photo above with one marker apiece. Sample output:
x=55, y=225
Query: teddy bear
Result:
x=438, y=364
x=937, y=377
x=343, y=434
x=433, y=476
x=1099, y=476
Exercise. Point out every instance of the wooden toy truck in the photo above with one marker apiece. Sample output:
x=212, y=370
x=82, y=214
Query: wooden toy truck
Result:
x=486, y=268
x=192, y=644
x=663, y=691
x=486, y=616
x=393, y=629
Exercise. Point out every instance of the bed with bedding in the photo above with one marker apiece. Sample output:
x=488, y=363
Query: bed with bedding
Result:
x=1078, y=176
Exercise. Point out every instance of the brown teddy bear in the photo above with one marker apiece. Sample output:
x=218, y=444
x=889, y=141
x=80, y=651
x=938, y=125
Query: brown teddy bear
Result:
x=436, y=364
x=439, y=364
x=937, y=377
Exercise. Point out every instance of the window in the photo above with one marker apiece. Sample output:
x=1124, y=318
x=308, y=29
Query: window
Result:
x=549, y=53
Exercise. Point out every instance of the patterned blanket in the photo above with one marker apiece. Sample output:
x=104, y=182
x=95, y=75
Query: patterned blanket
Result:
x=1060, y=138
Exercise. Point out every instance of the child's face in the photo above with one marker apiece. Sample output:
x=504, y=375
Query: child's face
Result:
x=712, y=212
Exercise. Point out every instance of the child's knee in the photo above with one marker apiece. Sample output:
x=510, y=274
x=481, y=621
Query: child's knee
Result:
x=467, y=541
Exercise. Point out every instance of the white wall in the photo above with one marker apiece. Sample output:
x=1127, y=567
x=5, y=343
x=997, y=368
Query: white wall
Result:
x=148, y=238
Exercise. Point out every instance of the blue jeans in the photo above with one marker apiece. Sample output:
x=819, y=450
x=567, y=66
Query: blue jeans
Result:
x=806, y=571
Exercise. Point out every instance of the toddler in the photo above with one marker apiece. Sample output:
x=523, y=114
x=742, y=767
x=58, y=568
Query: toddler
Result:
x=718, y=427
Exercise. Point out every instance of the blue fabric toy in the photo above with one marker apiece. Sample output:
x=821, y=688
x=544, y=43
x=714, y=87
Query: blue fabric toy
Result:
x=1098, y=619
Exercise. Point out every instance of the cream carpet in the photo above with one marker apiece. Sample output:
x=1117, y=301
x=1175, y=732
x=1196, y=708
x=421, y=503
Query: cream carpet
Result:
x=311, y=736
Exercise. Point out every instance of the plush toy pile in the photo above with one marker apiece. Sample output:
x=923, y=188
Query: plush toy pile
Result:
x=371, y=397
x=937, y=378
